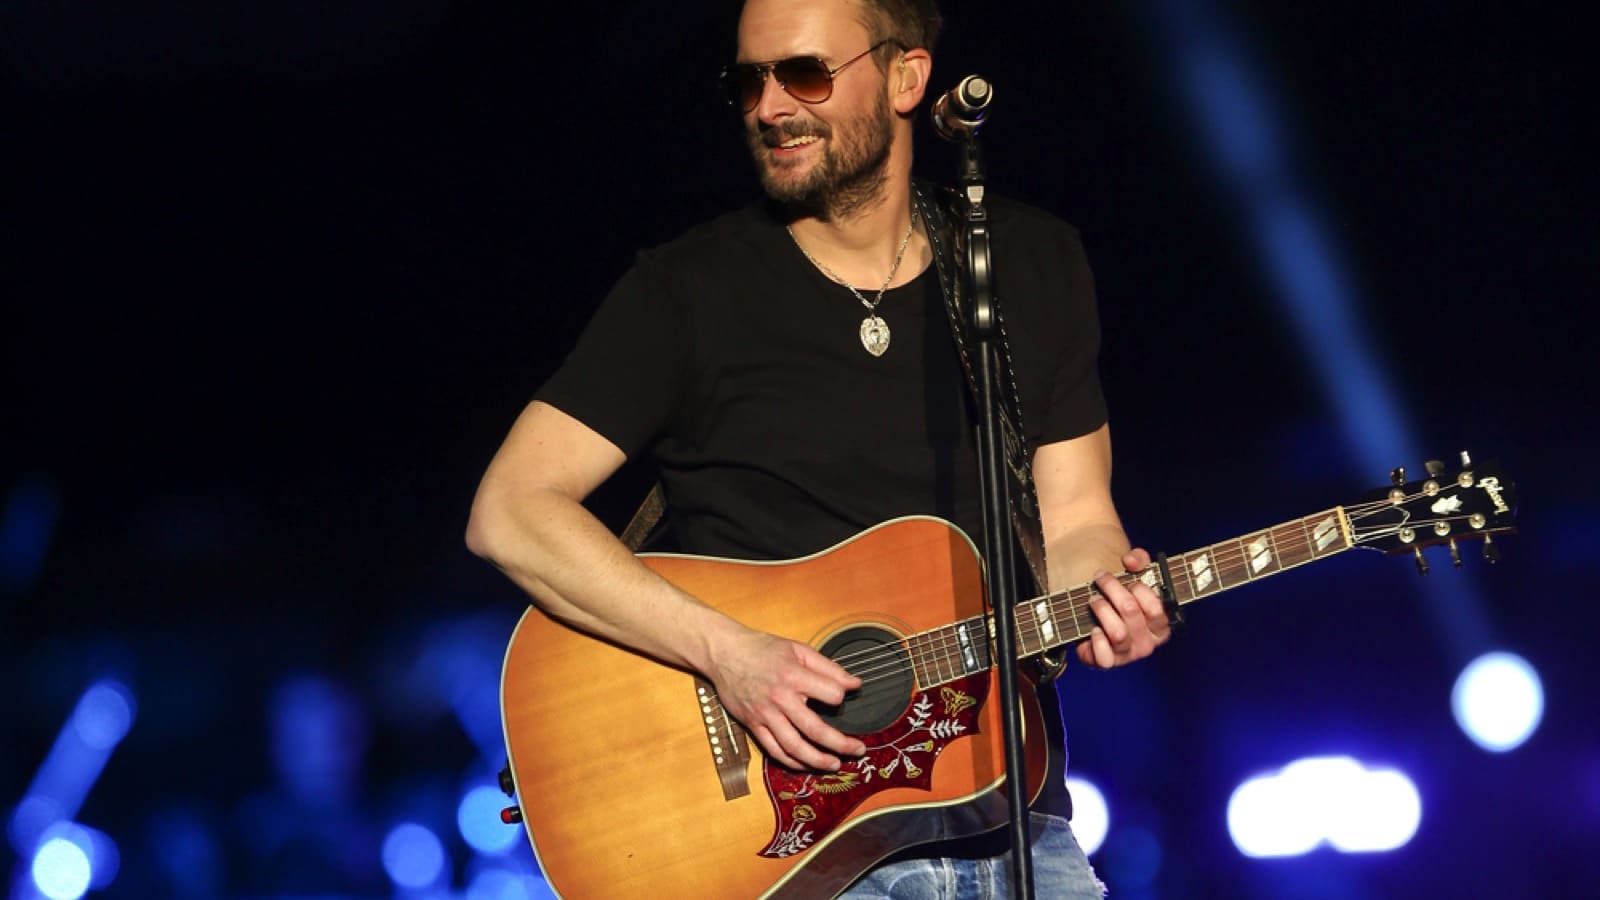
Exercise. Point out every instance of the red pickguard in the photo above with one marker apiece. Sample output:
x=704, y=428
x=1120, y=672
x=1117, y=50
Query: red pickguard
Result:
x=811, y=805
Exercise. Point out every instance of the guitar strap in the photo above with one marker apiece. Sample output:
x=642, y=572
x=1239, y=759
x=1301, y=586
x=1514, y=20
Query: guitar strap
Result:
x=935, y=204
x=948, y=248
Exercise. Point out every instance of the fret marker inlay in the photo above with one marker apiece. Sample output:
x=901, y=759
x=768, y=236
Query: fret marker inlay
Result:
x=1047, y=627
x=1260, y=554
x=1326, y=531
x=968, y=658
x=1201, y=568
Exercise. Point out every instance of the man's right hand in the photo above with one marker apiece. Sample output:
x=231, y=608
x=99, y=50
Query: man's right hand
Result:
x=765, y=681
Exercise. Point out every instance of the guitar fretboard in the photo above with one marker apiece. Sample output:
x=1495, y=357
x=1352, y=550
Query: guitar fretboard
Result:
x=1054, y=620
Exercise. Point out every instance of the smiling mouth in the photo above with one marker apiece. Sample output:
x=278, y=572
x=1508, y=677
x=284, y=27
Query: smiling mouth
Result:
x=798, y=142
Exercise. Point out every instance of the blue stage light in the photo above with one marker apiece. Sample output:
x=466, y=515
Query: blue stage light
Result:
x=97, y=846
x=98, y=723
x=1132, y=858
x=1090, y=816
x=104, y=715
x=61, y=869
x=413, y=856
x=499, y=884
x=26, y=526
x=1498, y=701
x=189, y=854
x=1332, y=799
x=35, y=813
x=319, y=739
x=478, y=817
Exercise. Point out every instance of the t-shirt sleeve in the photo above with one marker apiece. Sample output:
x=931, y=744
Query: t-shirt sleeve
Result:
x=624, y=376
x=1056, y=350
x=1076, y=406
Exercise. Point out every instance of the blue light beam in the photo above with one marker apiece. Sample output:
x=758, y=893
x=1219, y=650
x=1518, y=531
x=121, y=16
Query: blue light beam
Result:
x=1230, y=107
x=98, y=723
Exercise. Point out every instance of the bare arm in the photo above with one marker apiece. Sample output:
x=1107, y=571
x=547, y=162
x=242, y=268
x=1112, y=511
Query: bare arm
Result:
x=1084, y=540
x=529, y=521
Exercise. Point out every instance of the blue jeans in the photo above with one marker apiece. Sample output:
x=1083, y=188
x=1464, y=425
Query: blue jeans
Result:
x=1060, y=872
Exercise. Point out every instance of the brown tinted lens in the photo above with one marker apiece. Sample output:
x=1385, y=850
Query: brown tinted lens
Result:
x=806, y=78
x=741, y=86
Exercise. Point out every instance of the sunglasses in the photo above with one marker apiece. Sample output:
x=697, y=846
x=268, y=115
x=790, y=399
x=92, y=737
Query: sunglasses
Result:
x=805, y=78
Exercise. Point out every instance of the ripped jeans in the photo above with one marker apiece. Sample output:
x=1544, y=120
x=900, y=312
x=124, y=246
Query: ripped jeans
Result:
x=1060, y=872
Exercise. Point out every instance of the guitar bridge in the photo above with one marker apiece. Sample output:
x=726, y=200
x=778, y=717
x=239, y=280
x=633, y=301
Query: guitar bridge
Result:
x=727, y=740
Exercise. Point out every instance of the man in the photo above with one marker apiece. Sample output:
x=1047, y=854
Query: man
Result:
x=781, y=427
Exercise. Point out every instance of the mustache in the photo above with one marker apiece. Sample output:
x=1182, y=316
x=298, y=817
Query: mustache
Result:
x=774, y=135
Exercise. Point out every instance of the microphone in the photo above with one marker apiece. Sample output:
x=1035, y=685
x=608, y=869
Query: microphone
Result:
x=959, y=111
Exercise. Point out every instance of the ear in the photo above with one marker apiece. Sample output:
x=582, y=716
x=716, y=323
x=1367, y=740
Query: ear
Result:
x=908, y=77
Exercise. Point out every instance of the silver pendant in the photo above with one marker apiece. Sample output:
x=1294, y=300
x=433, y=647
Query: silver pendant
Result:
x=875, y=335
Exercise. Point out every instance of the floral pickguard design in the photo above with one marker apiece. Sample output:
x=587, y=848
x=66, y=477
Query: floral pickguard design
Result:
x=811, y=805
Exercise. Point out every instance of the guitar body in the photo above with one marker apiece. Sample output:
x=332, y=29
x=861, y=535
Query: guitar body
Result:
x=625, y=793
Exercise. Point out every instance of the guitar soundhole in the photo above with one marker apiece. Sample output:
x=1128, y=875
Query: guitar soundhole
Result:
x=887, y=681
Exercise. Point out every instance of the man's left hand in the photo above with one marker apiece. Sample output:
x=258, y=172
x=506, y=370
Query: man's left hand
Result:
x=1133, y=622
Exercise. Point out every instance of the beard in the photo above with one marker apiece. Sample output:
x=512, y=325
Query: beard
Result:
x=849, y=177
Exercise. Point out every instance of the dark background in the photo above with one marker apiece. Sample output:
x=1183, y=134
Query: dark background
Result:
x=278, y=277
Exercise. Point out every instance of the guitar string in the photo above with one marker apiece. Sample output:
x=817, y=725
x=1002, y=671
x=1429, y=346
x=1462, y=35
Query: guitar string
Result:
x=1227, y=560
x=1074, y=609
x=894, y=658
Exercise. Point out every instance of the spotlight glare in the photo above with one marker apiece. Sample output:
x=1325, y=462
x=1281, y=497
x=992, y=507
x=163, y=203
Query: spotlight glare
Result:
x=1263, y=820
x=61, y=870
x=1332, y=799
x=1498, y=701
x=1091, y=818
x=1381, y=812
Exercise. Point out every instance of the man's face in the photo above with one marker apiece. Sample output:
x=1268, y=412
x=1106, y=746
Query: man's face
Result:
x=826, y=158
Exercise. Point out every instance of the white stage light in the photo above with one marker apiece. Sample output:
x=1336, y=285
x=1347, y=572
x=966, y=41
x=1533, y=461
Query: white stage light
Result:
x=1498, y=701
x=1332, y=799
x=1090, y=816
x=1381, y=812
x=1263, y=820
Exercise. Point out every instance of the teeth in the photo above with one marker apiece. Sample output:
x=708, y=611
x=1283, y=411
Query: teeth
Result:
x=798, y=142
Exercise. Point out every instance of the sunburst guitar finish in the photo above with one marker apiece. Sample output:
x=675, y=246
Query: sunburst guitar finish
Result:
x=634, y=782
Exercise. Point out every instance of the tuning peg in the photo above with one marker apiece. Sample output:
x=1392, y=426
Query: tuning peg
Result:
x=1435, y=468
x=1422, y=561
x=1398, y=475
x=1490, y=551
x=1466, y=459
x=1455, y=553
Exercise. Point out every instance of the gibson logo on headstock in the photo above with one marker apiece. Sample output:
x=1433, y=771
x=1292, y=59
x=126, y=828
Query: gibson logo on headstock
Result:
x=1491, y=486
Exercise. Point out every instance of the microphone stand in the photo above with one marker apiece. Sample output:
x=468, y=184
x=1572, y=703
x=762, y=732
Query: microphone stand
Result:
x=974, y=268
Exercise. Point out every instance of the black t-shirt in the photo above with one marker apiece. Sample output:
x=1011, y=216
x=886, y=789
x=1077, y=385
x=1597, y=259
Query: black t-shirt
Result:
x=736, y=365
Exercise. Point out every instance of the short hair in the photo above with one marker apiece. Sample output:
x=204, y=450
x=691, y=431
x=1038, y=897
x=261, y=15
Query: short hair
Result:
x=909, y=23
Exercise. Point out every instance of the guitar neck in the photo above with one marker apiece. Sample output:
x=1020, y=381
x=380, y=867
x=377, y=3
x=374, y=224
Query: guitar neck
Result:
x=1065, y=617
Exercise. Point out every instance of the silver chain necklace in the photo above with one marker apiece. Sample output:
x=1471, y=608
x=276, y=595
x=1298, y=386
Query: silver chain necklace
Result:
x=874, y=330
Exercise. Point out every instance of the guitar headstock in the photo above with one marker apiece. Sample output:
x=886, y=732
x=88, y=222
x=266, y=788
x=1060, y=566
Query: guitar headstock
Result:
x=1475, y=502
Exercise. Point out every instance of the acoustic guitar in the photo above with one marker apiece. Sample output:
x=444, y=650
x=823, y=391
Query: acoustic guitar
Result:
x=634, y=782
